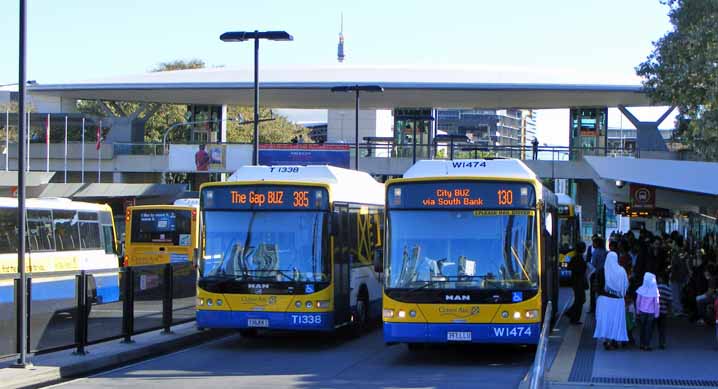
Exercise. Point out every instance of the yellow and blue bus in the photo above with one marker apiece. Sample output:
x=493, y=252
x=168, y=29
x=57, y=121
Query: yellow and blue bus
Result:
x=290, y=248
x=470, y=253
x=160, y=234
x=569, y=232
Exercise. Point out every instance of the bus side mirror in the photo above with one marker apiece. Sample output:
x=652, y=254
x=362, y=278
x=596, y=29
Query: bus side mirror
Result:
x=195, y=258
x=378, y=260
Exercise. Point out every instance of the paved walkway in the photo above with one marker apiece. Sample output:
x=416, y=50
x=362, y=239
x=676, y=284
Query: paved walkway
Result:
x=690, y=359
x=54, y=367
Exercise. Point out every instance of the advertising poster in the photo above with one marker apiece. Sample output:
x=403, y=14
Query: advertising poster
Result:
x=304, y=154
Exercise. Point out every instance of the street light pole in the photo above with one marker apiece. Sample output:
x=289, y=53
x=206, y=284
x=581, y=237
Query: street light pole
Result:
x=357, y=89
x=241, y=36
x=356, y=131
x=22, y=287
x=255, y=146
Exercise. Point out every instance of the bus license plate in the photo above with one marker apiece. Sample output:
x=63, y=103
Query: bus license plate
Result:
x=258, y=323
x=459, y=336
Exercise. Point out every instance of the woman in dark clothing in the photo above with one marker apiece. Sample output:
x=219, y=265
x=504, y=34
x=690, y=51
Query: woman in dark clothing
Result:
x=577, y=266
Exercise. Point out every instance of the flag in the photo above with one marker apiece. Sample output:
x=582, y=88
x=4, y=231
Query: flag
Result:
x=99, y=135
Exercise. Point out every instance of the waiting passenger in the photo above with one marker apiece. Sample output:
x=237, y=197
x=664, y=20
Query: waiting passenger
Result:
x=610, y=305
x=579, y=284
x=706, y=300
x=665, y=301
x=647, y=308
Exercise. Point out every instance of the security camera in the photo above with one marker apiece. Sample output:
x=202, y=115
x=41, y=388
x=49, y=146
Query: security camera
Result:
x=620, y=184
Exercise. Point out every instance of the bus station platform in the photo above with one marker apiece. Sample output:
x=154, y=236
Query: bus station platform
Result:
x=54, y=367
x=688, y=361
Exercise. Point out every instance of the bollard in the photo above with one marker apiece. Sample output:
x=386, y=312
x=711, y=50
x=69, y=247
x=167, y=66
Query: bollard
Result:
x=128, y=304
x=81, y=313
x=167, y=299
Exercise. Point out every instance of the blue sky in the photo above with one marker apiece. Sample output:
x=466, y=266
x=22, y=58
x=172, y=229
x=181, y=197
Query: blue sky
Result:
x=85, y=39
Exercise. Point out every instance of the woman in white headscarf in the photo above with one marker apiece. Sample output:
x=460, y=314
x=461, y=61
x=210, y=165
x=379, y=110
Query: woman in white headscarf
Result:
x=610, y=305
x=648, y=308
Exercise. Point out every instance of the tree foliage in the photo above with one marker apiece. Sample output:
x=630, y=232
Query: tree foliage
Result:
x=159, y=117
x=279, y=130
x=682, y=70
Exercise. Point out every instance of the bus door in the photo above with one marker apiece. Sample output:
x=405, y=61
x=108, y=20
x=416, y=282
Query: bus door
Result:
x=341, y=276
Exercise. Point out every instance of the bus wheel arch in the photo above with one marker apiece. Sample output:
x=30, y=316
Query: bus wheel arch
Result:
x=361, y=310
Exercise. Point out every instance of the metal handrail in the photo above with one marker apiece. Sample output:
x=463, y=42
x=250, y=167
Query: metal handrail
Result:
x=538, y=370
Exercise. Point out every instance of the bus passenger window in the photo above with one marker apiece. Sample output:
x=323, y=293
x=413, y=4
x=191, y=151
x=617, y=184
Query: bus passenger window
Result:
x=66, y=230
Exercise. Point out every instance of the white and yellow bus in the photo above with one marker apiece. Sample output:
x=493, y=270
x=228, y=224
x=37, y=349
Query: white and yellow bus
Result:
x=62, y=235
x=290, y=248
x=470, y=253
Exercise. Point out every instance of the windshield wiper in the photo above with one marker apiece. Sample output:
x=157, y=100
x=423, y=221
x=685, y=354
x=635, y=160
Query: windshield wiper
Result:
x=426, y=285
x=278, y=271
x=446, y=279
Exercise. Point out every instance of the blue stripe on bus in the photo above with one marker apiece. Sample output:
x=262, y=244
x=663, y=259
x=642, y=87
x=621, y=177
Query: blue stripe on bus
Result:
x=302, y=321
x=480, y=333
x=107, y=290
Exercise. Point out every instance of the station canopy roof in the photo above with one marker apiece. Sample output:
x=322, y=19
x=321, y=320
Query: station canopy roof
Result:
x=404, y=86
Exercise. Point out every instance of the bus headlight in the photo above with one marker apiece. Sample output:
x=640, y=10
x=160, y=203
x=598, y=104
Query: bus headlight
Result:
x=412, y=313
x=297, y=304
x=532, y=314
x=387, y=313
x=200, y=301
x=402, y=314
x=517, y=315
x=309, y=305
x=323, y=304
x=209, y=302
x=505, y=315
x=219, y=302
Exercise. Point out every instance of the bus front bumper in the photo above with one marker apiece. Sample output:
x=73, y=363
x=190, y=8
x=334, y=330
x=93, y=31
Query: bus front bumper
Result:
x=461, y=333
x=299, y=321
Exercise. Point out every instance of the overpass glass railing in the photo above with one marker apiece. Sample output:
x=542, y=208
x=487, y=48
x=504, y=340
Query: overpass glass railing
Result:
x=386, y=148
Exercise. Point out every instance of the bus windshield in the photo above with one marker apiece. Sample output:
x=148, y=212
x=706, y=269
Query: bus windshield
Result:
x=462, y=249
x=265, y=246
x=162, y=226
x=567, y=232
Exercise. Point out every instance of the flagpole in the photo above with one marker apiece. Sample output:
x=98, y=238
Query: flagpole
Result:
x=82, y=165
x=47, y=145
x=7, y=139
x=99, y=152
x=66, y=149
x=28, y=141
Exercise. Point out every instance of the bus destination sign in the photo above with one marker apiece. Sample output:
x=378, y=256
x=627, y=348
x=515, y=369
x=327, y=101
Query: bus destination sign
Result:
x=265, y=197
x=461, y=194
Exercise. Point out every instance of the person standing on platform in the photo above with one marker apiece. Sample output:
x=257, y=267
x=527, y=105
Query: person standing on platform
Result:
x=534, y=148
x=647, y=308
x=610, y=305
x=579, y=284
x=598, y=258
x=679, y=274
x=665, y=297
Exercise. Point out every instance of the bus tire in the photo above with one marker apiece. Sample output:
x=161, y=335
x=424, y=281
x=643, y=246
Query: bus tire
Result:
x=361, y=318
x=415, y=347
x=248, y=333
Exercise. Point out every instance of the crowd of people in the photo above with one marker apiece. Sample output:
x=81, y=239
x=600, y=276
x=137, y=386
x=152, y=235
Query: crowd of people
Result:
x=637, y=282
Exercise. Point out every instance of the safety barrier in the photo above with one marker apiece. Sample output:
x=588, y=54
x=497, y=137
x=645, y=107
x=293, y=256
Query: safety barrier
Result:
x=74, y=309
x=539, y=366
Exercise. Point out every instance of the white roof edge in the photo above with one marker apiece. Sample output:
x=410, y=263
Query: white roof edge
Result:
x=346, y=185
x=479, y=168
